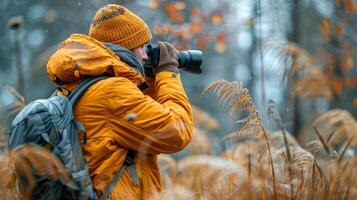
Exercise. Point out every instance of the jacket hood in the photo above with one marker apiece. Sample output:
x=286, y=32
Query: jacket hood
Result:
x=81, y=56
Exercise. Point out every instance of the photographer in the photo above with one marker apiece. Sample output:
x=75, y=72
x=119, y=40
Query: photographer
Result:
x=144, y=112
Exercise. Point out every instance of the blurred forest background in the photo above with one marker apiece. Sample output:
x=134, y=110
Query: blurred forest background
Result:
x=298, y=54
x=275, y=66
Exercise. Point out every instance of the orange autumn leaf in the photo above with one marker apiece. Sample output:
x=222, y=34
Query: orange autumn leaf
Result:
x=221, y=38
x=325, y=28
x=181, y=46
x=186, y=35
x=173, y=13
x=217, y=18
x=347, y=64
x=337, y=86
x=350, y=82
x=158, y=30
x=180, y=5
x=202, y=43
x=325, y=24
x=182, y=33
x=170, y=9
x=350, y=6
x=220, y=43
x=154, y=4
x=250, y=22
x=196, y=26
x=195, y=11
x=220, y=48
x=161, y=29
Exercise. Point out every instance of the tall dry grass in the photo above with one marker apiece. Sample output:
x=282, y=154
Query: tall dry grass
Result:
x=259, y=165
x=263, y=165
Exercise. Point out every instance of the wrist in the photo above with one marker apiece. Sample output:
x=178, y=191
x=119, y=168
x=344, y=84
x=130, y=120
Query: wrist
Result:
x=167, y=69
x=166, y=75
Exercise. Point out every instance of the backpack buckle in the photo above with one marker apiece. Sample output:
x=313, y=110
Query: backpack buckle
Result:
x=129, y=159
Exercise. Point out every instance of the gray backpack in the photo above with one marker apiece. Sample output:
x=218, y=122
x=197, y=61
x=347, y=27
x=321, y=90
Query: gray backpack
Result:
x=51, y=122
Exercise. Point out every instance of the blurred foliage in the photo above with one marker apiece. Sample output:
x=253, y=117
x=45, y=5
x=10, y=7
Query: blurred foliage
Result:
x=295, y=57
x=244, y=41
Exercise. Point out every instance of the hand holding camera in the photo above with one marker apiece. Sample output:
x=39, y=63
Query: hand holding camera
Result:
x=168, y=58
x=164, y=57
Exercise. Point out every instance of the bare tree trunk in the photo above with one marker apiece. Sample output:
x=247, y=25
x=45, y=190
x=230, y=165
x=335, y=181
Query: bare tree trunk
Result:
x=294, y=37
x=19, y=67
x=251, y=52
x=262, y=73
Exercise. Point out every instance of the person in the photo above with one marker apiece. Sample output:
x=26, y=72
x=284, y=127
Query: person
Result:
x=133, y=109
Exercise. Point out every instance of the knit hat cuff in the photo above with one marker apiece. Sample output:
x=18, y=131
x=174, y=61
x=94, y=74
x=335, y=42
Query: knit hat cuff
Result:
x=136, y=40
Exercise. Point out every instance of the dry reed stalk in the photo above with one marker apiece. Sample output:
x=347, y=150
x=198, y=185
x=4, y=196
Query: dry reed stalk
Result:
x=287, y=146
x=322, y=140
x=330, y=136
x=341, y=123
x=271, y=163
x=312, y=185
x=3, y=141
x=309, y=179
x=277, y=140
x=273, y=110
x=17, y=105
x=233, y=94
x=312, y=83
x=315, y=147
x=243, y=155
x=347, y=145
x=252, y=125
x=345, y=165
x=249, y=166
x=300, y=187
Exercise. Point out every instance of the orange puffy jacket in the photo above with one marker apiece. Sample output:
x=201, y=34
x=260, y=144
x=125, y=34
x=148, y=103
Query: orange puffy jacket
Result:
x=118, y=116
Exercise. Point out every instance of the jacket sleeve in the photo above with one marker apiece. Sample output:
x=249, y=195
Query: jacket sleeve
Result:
x=153, y=126
x=151, y=90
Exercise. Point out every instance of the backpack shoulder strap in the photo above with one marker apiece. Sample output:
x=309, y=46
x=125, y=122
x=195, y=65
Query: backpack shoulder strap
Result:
x=129, y=159
x=128, y=163
x=76, y=94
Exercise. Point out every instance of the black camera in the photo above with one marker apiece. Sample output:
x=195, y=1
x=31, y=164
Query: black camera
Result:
x=189, y=60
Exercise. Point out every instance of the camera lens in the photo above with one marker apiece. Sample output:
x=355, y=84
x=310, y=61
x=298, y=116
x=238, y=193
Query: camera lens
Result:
x=190, y=61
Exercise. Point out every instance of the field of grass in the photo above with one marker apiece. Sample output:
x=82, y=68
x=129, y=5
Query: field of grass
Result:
x=259, y=165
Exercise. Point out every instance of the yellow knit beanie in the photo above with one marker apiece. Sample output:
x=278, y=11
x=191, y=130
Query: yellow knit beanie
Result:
x=118, y=25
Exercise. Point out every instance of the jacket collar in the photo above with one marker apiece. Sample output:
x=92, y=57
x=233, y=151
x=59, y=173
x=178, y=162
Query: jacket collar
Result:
x=126, y=56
